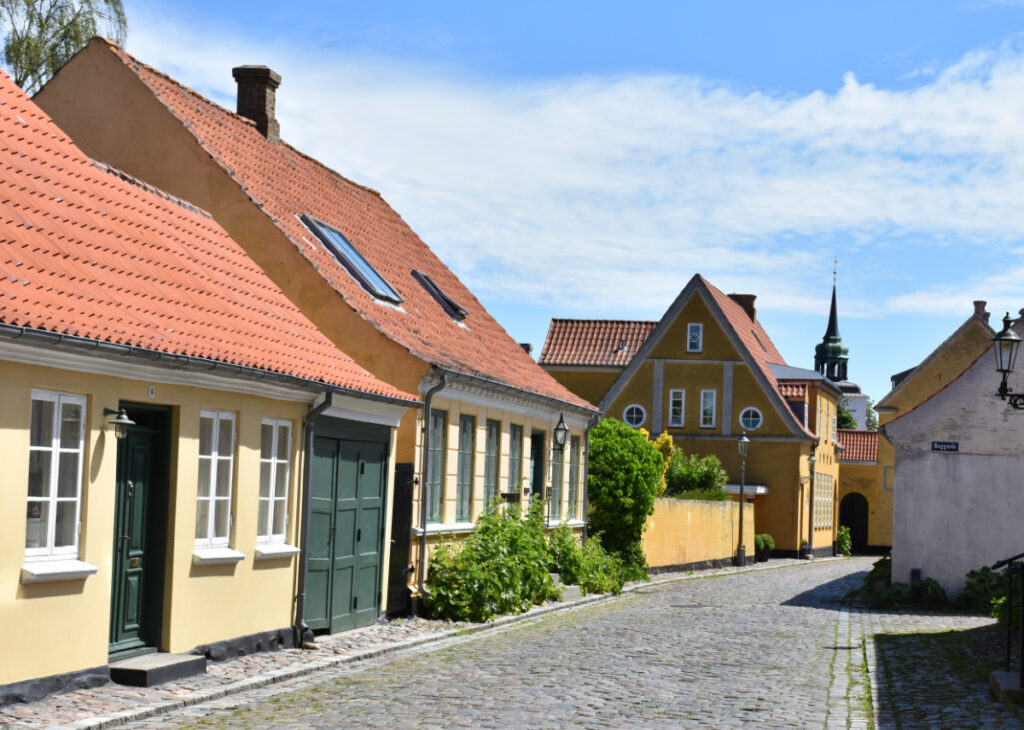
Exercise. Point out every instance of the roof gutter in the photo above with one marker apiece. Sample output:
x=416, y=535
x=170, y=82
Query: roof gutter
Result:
x=424, y=477
x=168, y=360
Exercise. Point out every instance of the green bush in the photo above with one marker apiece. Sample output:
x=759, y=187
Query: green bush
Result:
x=695, y=477
x=879, y=591
x=763, y=542
x=982, y=588
x=589, y=567
x=502, y=567
x=844, y=540
x=624, y=478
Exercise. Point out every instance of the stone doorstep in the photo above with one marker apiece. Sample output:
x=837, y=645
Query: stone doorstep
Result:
x=1006, y=687
x=157, y=668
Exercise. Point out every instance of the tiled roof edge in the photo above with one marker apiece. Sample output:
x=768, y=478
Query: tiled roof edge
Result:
x=149, y=188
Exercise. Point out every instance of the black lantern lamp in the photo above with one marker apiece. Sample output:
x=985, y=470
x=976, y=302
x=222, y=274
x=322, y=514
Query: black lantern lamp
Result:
x=1007, y=343
x=561, y=433
x=742, y=443
x=120, y=423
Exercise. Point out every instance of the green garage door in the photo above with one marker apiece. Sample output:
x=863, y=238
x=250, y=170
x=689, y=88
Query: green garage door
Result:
x=348, y=481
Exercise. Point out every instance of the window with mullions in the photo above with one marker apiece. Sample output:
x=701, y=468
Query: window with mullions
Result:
x=454, y=310
x=216, y=467
x=275, y=462
x=676, y=407
x=515, y=457
x=492, y=448
x=574, y=476
x=435, y=478
x=707, y=408
x=56, y=446
x=694, y=337
x=346, y=254
x=464, y=477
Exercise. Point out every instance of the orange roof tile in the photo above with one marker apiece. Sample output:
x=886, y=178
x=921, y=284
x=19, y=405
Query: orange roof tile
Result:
x=860, y=445
x=594, y=342
x=90, y=252
x=286, y=183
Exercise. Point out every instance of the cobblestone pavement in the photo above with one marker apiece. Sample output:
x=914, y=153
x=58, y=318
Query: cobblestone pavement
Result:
x=768, y=648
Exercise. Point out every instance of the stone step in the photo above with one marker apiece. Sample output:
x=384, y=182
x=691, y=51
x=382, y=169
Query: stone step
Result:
x=156, y=668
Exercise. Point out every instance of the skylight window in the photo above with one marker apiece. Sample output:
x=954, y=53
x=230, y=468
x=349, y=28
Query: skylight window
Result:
x=346, y=254
x=454, y=310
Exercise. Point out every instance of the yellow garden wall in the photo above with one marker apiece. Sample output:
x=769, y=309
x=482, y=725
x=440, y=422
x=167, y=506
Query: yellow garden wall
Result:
x=687, y=531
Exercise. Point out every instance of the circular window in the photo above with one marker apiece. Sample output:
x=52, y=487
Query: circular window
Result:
x=634, y=415
x=751, y=419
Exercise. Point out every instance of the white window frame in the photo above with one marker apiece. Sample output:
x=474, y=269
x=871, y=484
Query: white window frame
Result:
x=218, y=460
x=66, y=552
x=643, y=413
x=704, y=423
x=674, y=395
x=760, y=419
x=694, y=328
x=264, y=532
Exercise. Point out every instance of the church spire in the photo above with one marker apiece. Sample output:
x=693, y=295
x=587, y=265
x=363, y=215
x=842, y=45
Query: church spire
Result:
x=831, y=355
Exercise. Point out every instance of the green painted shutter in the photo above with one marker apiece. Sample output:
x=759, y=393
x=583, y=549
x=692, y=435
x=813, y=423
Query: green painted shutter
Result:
x=574, y=476
x=515, y=457
x=464, y=477
x=438, y=419
x=492, y=448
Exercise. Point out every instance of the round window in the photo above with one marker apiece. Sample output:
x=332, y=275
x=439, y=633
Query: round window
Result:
x=634, y=415
x=750, y=419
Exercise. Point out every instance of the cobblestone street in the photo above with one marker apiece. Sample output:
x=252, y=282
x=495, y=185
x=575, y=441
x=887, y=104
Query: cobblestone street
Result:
x=767, y=648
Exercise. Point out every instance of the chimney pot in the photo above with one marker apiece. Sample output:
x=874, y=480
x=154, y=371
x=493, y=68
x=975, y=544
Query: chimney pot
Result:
x=257, y=92
x=527, y=348
x=747, y=302
x=979, y=310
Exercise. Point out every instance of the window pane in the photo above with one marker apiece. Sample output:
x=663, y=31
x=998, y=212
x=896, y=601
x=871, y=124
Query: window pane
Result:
x=64, y=529
x=264, y=479
x=67, y=475
x=280, y=511
x=281, y=483
x=70, y=425
x=282, y=442
x=225, y=439
x=204, y=477
x=263, y=518
x=205, y=436
x=266, y=441
x=35, y=527
x=39, y=473
x=41, y=431
x=202, y=518
x=220, y=517
x=223, y=477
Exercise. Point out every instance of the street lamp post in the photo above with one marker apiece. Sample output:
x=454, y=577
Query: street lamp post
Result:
x=811, y=461
x=743, y=443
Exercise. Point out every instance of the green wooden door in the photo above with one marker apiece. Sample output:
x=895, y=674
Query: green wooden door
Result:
x=343, y=567
x=139, y=537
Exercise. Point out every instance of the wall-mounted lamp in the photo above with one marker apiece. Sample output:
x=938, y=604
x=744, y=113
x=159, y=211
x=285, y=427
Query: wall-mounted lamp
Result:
x=1007, y=343
x=121, y=423
x=561, y=433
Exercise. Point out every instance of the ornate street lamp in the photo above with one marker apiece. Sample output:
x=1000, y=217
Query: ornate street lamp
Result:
x=742, y=443
x=121, y=423
x=1007, y=343
x=561, y=433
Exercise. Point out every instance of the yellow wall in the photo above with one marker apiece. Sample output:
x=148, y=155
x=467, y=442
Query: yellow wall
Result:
x=686, y=531
x=64, y=626
x=716, y=344
x=590, y=385
x=868, y=480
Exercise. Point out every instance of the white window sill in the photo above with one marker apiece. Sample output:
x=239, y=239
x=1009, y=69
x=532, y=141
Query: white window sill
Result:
x=47, y=571
x=270, y=551
x=222, y=555
x=437, y=528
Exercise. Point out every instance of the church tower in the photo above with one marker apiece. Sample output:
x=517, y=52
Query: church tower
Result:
x=831, y=355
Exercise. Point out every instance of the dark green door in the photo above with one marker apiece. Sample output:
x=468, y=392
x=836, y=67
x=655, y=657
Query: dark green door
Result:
x=139, y=534
x=343, y=568
x=537, y=463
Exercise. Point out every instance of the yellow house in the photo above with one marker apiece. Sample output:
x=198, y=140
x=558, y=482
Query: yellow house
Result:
x=363, y=276
x=158, y=395
x=707, y=372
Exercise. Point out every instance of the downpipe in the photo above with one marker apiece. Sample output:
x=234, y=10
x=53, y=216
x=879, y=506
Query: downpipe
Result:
x=424, y=477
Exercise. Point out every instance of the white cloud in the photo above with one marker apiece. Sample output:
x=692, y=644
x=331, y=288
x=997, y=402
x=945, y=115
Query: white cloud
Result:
x=602, y=195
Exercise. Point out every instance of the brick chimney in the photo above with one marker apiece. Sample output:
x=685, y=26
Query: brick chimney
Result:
x=979, y=310
x=257, y=92
x=747, y=302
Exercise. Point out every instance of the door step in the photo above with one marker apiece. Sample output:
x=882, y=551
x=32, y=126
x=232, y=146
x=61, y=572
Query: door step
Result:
x=152, y=669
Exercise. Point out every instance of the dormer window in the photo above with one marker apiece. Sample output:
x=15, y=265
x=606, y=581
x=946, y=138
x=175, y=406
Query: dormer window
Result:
x=346, y=254
x=454, y=310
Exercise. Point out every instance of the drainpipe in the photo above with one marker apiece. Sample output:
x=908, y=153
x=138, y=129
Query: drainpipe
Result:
x=427, y=399
x=586, y=473
x=303, y=634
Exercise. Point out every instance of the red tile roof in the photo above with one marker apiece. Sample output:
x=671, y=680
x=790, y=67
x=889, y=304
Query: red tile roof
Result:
x=860, y=445
x=88, y=252
x=286, y=184
x=793, y=390
x=594, y=342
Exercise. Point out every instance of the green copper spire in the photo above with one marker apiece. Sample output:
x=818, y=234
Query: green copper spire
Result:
x=831, y=355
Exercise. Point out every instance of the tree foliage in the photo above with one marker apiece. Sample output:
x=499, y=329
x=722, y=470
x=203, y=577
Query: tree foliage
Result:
x=624, y=478
x=844, y=419
x=871, y=419
x=40, y=36
x=695, y=477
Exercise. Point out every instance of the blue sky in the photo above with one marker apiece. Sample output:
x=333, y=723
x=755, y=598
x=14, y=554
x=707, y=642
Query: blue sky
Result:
x=586, y=159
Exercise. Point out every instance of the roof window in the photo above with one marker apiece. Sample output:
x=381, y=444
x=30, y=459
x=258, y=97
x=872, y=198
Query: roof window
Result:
x=346, y=254
x=455, y=311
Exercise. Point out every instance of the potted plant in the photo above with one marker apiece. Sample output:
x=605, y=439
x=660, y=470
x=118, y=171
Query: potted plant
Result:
x=763, y=546
x=806, y=553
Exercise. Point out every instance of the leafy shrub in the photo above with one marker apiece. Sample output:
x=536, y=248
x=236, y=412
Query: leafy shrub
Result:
x=981, y=589
x=764, y=542
x=695, y=477
x=590, y=567
x=880, y=592
x=844, y=540
x=664, y=445
x=624, y=478
x=502, y=567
